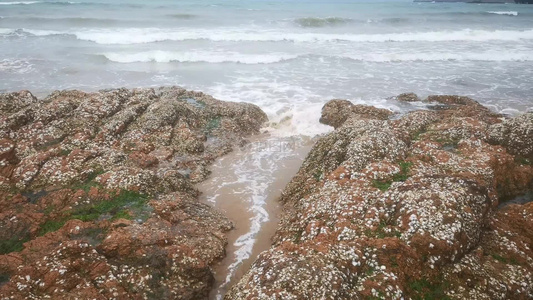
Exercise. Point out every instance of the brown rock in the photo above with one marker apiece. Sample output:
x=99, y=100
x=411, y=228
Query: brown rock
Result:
x=336, y=112
x=143, y=160
x=407, y=97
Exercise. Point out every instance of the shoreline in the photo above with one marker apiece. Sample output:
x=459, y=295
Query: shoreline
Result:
x=227, y=192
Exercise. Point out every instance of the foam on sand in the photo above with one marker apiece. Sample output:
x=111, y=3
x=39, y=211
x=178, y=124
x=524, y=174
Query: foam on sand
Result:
x=245, y=185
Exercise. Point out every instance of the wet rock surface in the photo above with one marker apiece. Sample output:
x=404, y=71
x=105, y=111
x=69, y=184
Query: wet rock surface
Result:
x=96, y=194
x=405, y=208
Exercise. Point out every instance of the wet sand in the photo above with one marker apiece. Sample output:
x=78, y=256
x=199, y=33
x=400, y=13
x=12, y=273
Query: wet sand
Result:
x=245, y=185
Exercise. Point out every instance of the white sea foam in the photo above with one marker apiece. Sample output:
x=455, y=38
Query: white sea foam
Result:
x=19, y=2
x=508, y=13
x=16, y=66
x=291, y=109
x=435, y=56
x=38, y=2
x=234, y=57
x=40, y=32
x=150, y=35
x=198, y=56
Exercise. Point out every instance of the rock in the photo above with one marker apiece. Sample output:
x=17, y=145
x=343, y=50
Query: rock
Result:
x=404, y=209
x=336, y=112
x=407, y=97
x=453, y=100
x=95, y=200
x=516, y=135
x=13, y=102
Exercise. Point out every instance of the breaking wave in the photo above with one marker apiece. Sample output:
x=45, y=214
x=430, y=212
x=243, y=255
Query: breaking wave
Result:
x=233, y=57
x=321, y=22
x=151, y=35
x=468, y=56
x=208, y=57
x=19, y=3
x=507, y=13
x=76, y=21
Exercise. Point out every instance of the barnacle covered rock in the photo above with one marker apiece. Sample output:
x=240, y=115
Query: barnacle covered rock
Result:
x=96, y=194
x=408, y=208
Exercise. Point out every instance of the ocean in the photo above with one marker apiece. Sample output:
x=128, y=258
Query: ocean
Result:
x=289, y=57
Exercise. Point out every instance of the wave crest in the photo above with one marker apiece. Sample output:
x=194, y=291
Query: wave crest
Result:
x=19, y=3
x=390, y=20
x=506, y=13
x=47, y=3
x=233, y=57
x=208, y=57
x=151, y=35
x=321, y=22
x=422, y=57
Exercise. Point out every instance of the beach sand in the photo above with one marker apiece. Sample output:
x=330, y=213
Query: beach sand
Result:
x=235, y=195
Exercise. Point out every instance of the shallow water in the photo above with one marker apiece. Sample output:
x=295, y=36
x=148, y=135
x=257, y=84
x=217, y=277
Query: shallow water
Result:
x=245, y=185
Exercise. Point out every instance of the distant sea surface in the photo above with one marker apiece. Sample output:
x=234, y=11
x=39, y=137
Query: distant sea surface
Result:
x=288, y=57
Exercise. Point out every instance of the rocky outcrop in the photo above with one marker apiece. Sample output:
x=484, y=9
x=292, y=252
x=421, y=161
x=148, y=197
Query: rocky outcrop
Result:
x=515, y=134
x=405, y=208
x=337, y=112
x=407, y=97
x=96, y=194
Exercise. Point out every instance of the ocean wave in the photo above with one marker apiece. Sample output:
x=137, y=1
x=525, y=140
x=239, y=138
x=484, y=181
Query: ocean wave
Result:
x=465, y=15
x=182, y=16
x=208, y=57
x=72, y=21
x=6, y=32
x=38, y=32
x=233, y=57
x=507, y=13
x=469, y=56
x=19, y=3
x=151, y=35
x=139, y=36
x=389, y=20
x=321, y=22
x=50, y=3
